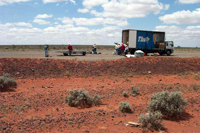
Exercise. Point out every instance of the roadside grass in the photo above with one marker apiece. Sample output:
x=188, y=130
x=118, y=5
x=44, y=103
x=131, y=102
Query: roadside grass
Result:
x=196, y=75
x=187, y=49
x=195, y=87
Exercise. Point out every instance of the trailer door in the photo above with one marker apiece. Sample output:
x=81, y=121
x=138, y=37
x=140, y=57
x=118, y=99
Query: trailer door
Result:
x=132, y=38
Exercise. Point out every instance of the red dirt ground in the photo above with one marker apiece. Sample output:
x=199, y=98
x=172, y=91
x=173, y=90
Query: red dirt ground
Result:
x=38, y=103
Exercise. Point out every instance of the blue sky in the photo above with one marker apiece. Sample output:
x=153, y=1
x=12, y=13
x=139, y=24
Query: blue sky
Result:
x=97, y=21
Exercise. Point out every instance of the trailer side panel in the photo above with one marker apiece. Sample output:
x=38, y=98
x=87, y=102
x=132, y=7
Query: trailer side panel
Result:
x=145, y=40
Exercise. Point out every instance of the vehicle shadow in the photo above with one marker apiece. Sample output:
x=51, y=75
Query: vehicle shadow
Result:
x=70, y=56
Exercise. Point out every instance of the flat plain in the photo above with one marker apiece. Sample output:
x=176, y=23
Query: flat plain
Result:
x=38, y=104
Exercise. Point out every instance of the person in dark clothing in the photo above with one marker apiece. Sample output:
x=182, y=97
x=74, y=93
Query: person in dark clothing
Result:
x=94, y=49
x=46, y=47
x=70, y=49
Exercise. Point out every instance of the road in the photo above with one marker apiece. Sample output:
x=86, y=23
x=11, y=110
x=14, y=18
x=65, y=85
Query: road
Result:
x=106, y=55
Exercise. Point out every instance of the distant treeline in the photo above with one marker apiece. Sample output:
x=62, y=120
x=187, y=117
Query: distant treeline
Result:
x=54, y=47
x=187, y=48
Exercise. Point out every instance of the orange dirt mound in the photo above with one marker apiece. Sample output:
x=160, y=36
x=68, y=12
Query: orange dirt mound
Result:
x=24, y=68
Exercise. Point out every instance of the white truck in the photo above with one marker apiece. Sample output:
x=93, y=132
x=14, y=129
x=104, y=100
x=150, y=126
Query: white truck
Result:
x=147, y=41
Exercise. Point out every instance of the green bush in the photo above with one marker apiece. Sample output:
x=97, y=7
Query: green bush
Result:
x=7, y=82
x=169, y=104
x=196, y=87
x=96, y=99
x=81, y=98
x=125, y=107
x=134, y=91
x=125, y=94
x=151, y=121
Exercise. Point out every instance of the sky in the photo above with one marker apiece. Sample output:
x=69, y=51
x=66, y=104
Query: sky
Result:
x=97, y=21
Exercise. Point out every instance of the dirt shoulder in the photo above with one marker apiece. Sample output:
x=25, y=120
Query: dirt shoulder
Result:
x=26, y=68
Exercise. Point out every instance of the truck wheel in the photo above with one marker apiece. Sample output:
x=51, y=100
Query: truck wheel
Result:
x=132, y=51
x=160, y=53
x=84, y=53
x=168, y=53
x=65, y=54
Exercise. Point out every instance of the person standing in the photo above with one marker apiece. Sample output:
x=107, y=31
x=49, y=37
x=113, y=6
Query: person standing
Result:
x=94, y=49
x=116, y=48
x=122, y=49
x=126, y=49
x=46, y=48
x=70, y=49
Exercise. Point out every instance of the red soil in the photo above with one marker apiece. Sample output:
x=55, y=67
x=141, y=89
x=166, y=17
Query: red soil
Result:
x=38, y=104
x=24, y=68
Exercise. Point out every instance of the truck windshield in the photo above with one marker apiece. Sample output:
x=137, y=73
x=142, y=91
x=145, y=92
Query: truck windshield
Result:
x=171, y=43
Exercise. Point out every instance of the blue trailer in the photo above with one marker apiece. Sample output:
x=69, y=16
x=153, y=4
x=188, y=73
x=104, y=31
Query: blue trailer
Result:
x=147, y=41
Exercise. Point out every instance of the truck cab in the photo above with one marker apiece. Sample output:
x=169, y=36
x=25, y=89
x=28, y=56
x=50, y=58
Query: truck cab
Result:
x=169, y=45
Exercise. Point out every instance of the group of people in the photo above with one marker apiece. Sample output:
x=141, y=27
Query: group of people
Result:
x=70, y=48
x=46, y=49
x=121, y=49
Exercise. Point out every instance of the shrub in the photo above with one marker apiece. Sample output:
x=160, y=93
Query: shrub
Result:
x=134, y=91
x=81, y=98
x=96, y=99
x=125, y=94
x=169, y=104
x=151, y=121
x=78, y=98
x=7, y=82
x=196, y=87
x=125, y=107
x=67, y=74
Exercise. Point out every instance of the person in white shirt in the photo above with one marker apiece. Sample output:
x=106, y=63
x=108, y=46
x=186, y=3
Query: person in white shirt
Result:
x=117, y=48
x=126, y=49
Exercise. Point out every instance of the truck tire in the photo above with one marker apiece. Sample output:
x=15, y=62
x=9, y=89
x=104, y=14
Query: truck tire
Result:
x=65, y=54
x=168, y=53
x=160, y=53
x=84, y=53
x=132, y=51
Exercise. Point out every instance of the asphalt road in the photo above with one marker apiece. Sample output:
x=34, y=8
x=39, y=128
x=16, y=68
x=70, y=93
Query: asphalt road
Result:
x=106, y=55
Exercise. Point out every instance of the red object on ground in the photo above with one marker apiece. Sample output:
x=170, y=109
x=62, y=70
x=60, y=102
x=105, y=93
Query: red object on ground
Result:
x=144, y=54
x=70, y=47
